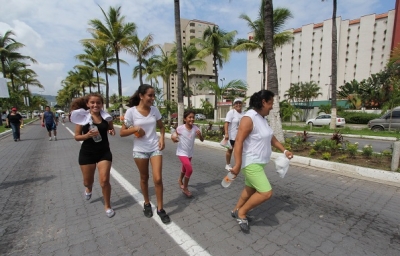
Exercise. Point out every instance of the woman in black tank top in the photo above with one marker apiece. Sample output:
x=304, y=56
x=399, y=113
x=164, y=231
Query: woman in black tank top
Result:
x=95, y=154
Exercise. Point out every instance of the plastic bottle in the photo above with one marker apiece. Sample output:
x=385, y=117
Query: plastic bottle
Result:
x=96, y=138
x=174, y=134
x=128, y=123
x=226, y=182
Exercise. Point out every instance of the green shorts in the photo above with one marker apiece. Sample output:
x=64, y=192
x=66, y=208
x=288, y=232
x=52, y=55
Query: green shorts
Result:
x=255, y=177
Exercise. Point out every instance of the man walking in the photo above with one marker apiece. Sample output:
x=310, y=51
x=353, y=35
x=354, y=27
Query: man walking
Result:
x=49, y=120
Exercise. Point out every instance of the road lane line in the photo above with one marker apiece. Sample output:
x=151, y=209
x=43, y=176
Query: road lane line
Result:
x=184, y=240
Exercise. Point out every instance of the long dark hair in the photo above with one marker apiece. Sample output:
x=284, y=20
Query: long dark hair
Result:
x=257, y=97
x=135, y=99
x=81, y=102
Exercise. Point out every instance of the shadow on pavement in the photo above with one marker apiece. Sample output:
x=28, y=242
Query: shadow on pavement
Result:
x=8, y=184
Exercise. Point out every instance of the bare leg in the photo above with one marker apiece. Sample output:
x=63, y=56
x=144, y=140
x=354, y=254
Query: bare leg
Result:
x=104, y=179
x=249, y=199
x=143, y=166
x=180, y=180
x=228, y=156
x=156, y=164
x=88, y=176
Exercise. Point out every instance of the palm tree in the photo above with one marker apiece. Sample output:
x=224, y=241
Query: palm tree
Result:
x=280, y=16
x=8, y=50
x=218, y=44
x=189, y=61
x=334, y=65
x=274, y=116
x=149, y=66
x=115, y=33
x=178, y=36
x=142, y=49
x=220, y=91
x=165, y=65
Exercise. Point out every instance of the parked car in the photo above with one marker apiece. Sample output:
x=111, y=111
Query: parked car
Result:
x=114, y=113
x=325, y=119
x=24, y=115
x=382, y=123
x=200, y=117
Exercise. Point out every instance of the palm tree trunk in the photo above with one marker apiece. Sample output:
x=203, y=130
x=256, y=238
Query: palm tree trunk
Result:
x=179, y=60
x=107, y=86
x=215, y=94
x=264, y=71
x=274, y=117
x=140, y=73
x=121, y=111
x=187, y=88
x=334, y=67
x=98, y=82
x=3, y=68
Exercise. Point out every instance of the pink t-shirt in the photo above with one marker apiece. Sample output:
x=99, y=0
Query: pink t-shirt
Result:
x=186, y=140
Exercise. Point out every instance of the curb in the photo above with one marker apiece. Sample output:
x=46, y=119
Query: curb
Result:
x=347, y=135
x=375, y=174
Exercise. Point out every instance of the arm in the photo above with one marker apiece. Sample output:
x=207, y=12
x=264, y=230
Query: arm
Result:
x=21, y=120
x=7, y=121
x=55, y=120
x=199, y=135
x=245, y=128
x=111, y=130
x=161, y=141
x=139, y=132
x=275, y=143
x=226, y=125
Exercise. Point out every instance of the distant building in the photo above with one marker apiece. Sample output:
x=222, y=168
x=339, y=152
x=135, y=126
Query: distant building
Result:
x=191, y=29
x=364, y=47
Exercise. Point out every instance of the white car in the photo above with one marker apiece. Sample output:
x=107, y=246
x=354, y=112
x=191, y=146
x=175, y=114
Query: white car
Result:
x=199, y=117
x=325, y=119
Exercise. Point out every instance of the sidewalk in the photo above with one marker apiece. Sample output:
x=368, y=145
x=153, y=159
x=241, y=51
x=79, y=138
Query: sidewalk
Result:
x=312, y=212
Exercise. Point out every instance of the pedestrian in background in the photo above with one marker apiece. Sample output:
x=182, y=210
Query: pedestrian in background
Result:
x=185, y=136
x=147, y=146
x=15, y=121
x=252, y=152
x=49, y=121
x=86, y=111
x=231, y=125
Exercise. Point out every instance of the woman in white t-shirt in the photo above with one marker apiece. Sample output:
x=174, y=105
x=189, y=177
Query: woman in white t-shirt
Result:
x=187, y=133
x=147, y=147
x=252, y=152
x=231, y=125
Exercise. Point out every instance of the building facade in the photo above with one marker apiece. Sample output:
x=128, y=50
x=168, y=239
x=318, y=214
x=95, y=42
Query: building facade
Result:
x=191, y=29
x=364, y=47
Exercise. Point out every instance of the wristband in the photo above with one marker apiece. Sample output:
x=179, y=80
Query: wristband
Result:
x=284, y=152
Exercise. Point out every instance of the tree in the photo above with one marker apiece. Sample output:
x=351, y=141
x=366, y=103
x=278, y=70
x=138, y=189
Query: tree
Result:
x=280, y=16
x=142, y=49
x=220, y=91
x=178, y=37
x=164, y=66
x=115, y=33
x=352, y=92
x=274, y=116
x=217, y=43
x=333, y=65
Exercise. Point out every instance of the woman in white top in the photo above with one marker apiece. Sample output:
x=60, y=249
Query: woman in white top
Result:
x=147, y=146
x=231, y=125
x=187, y=133
x=252, y=152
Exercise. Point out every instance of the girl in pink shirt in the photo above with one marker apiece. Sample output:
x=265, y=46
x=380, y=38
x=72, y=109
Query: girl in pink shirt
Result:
x=187, y=133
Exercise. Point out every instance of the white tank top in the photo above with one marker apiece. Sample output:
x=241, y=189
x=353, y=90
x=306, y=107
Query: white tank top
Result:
x=257, y=146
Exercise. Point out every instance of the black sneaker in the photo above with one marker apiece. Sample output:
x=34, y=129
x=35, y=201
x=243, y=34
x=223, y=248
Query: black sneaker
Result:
x=163, y=216
x=148, y=212
x=244, y=225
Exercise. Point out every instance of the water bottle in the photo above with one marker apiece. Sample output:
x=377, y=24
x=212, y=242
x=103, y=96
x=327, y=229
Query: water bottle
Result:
x=174, y=134
x=96, y=138
x=128, y=123
x=226, y=182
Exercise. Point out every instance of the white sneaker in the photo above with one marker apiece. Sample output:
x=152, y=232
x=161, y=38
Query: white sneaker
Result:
x=49, y=138
x=228, y=167
x=55, y=138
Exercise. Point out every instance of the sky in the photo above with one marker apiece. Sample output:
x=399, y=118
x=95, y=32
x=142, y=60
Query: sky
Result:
x=52, y=29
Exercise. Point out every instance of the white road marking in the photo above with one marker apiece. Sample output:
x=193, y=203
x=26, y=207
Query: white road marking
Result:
x=184, y=240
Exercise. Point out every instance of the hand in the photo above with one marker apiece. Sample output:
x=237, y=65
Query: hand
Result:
x=92, y=133
x=174, y=137
x=288, y=154
x=140, y=133
x=161, y=144
x=235, y=170
x=226, y=137
x=111, y=132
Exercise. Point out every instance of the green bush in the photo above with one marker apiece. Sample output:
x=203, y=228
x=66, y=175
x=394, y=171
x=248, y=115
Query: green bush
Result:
x=326, y=156
x=352, y=149
x=367, y=151
x=358, y=117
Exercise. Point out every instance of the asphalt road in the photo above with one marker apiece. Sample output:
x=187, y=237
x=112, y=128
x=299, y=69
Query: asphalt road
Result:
x=312, y=212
